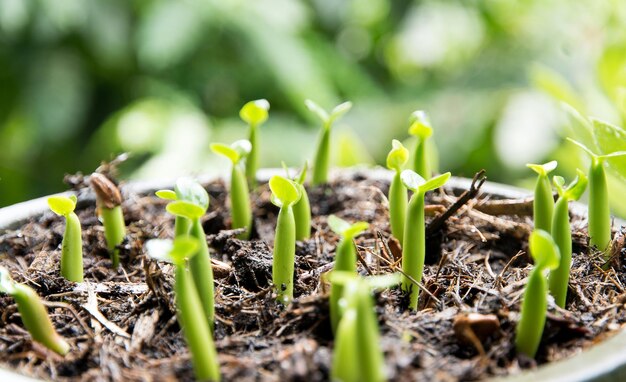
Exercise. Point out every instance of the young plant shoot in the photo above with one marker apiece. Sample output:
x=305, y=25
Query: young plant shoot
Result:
x=254, y=113
x=543, y=204
x=193, y=207
x=33, y=313
x=188, y=190
x=345, y=260
x=191, y=316
x=421, y=128
x=562, y=234
x=302, y=208
x=396, y=159
x=414, y=243
x=599, y=212
x=284, y=194
x=322, y=155
x=358, y=356
x=109, y=203
x=239, y=192
x=546, y=255
x=72, y=245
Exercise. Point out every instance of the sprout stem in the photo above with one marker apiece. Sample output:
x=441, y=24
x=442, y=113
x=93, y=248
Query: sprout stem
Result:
x=284, y=254
x=397, y=206
x=321, y=162
x=302, y=214
x=114, y=231
x=421, y=164
x=345, y=260
x=562, y=235
x=414, y=247
x=202, y=271
x=533, y=314
x=72, y=249
x=599, y=212
x=240, y=202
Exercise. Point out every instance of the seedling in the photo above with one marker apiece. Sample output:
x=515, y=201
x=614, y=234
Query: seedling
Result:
x=546, y=255
x=322, y=155
x=254, y=113
x=195, y=205
x=34, y=314
x=345, y=260
x=357, y=355
x=599, y=212
x=239, y=192
x=414, y=243
x=72, y=245
x=421, y=128
x=562, y=234
x=396, y=159
x=108, y=201
x=284, y=194
x=188, y=190
x=191, y=316
x=543, y=204
x=302, y=208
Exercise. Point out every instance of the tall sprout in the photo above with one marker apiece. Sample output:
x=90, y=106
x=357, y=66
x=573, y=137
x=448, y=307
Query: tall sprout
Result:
x=109, y=203
x=396, y=159
x=322, y=154
x=254, y=113
x=546, y=255
x=190, y=314
x=421, y=129
x=72, y=245
x=414, y=244
x=239, y=191
x=33, y=313
x=599, y=211
x=345, y=260
x=284, y=194
x=562, y=234
x=543, y=203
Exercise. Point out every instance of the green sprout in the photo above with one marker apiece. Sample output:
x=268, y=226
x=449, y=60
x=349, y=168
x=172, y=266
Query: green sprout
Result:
x=33, y=313
x=396, y=159
x=345, y=260
x=284, y=194
x=191, y=316
x=357, y=355
x=254, y=113
x=543, y=204
x=421, y=128
x=188, y=190
x=322, y=155
x=414, y=243
x=599, y=212
x=302, y=208
x=562, y=234
x=239, y=192
x=109, y=203
x=546, y=255
x=72, y=245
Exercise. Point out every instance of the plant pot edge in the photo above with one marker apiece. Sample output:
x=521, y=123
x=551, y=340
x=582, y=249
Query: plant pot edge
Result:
x=603, y=362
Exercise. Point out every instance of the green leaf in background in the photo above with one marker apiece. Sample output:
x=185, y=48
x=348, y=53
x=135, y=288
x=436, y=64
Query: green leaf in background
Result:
x=611, y=138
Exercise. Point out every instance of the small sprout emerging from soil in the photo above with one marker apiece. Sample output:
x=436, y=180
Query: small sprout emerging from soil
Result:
x=414, y=243
x=72, y=245
x=302, y=208
x=543, y=204
x=239, y=192
x=193, y=208
x=34, y=314
x=599, y=212
x=345, y=260
x=474, y=328
x=191, y=316
x=357, y=355
x=322, y=155
x=188, y=190
x=546, y=255
x=562, y=234
x=396, y=159
x=284, y=194
x=108, y=201
x=254, y=113
x=421, y=128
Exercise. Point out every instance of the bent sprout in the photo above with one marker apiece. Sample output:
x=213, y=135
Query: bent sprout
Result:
x=543, y=204
x=109, y=203
x=254, y=113
x=546, y=255
x=239, y=192
x=284, y=194
x=322, y=154
x=396, y=159
x=414, y=244
x=72, y=245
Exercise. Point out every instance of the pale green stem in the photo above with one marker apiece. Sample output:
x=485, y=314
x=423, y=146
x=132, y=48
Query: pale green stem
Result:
x=202, y=271
x=284, y=254
x=302, y=214
x=322, y=161
x=599, y=212
x=72, y=249
x=414, y=247
x=240, y=202
x=533, y=314
x=397, y=206
x=114, y=231
x=562, y=235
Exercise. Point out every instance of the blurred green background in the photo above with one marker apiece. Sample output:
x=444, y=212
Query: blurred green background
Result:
x=83, y=80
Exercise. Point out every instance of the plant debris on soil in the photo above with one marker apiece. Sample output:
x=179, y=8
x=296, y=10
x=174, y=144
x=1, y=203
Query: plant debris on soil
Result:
x=121, y=324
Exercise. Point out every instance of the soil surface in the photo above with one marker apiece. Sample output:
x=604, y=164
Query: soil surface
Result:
x=121, y=324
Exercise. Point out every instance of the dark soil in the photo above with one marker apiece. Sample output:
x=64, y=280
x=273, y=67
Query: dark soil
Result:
x=477, y=264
